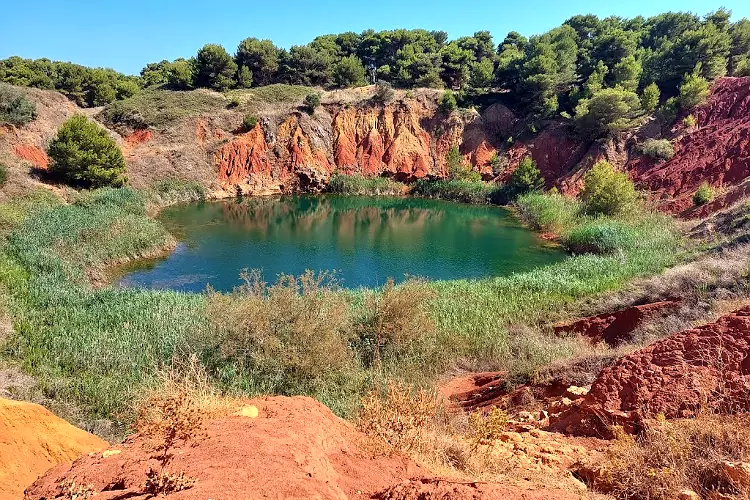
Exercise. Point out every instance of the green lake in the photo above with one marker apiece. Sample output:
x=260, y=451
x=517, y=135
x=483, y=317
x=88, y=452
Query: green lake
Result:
x=365, y=240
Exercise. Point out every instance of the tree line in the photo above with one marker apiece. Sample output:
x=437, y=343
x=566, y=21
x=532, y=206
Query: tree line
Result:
x=584, y=65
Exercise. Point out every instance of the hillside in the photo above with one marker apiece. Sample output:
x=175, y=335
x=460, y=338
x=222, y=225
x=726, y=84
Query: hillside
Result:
x=198, y=136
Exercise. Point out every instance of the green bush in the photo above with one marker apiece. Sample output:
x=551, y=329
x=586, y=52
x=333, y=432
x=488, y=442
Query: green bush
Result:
x=694, y=89
x=249, y=122
x=689, y=121
x=312, y=101
x=607, y=191
x=524, y=179
x=360, y=185
x=3, y=174
x=383, y=93
x=448, y=102
x=464, y=191
x=548, y=212
x=15, y=108
x=661, y=149
x=601, y=237
x=457, y=167
x=83, y=154
x=703, y=195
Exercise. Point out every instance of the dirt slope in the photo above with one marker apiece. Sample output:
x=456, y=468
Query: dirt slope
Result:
x=294, y=449
x=31, y=441
x=702, y=369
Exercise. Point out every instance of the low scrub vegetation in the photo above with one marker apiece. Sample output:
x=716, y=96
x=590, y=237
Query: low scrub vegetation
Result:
x=607, y=191
x=703, y=194
x=671, y=457
x=15, y=108
x=299, y=335
x=465, y=191
x=361, y=185
x=3, y=174
x=159, y=108
x=660, y=149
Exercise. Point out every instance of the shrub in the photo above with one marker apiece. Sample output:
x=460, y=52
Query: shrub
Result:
x=694, y=89
x=689, y=121
x=448, y=102
x=549, y=212
x=607, y=191
x=464, y=191
x=668, y=111
x=524, y=179
x=400, y=416
x=15, y=108
x=383, y=92
x=703, y=195
x=395, y=320
x=660, y=149
x=600, y=237
x=312, y=101
x=85, y=155
x=3, y=174
x=349, y=72
x=235, y=102
x=671, y=457
x=360, y=185
x=249, y=122
x=457, y=167
x=288, y=337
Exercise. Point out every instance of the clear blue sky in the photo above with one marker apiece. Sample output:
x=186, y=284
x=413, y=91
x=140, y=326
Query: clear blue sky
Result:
x=127, y=35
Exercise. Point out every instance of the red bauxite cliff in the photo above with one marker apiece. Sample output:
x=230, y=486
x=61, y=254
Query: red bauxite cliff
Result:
x=409, y=138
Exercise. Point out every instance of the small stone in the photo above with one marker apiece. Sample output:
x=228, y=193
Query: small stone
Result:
x=109, y=453
x=249, y=411
x=689, y=495
x=577, y=392
x=737, y=473
x=511, y=436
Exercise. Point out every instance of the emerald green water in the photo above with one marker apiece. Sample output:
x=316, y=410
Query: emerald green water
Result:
x=365, y=240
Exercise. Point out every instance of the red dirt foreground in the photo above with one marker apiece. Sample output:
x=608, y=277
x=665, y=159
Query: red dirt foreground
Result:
x=293, y=448
x=703, y=369
x=32, y=440
x=614, y=328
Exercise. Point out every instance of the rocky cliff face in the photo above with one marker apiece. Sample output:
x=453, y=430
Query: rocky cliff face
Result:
x=290, y=150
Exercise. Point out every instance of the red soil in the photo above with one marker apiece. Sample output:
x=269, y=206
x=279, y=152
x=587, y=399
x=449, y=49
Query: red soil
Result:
x=138, y=137
x=614, y=328
x=705, y=368
x=716, y=151
x=295, y=449
x=33, y=154
x=31, y=441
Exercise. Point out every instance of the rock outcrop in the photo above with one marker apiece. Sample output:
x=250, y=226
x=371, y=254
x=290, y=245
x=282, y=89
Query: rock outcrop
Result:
x=702, y=369
x=614, y=328
x=32, y=440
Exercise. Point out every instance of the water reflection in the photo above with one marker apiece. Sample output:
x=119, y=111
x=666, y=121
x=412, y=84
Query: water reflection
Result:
x=366, y=239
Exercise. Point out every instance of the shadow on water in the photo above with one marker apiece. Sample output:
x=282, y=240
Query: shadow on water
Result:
x=365, y=239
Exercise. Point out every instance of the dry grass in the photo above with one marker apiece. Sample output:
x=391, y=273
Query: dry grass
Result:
x=673, y=456
x=182, y=397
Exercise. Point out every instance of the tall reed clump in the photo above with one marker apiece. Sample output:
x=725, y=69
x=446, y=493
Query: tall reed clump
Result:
x=361, y=185
x=464, y=191
x=94, y=347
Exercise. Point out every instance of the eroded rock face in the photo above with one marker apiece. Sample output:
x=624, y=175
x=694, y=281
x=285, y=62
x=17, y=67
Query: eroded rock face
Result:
x=702, y=369
x=716, y=151
x=614, y=328
x=32, y=440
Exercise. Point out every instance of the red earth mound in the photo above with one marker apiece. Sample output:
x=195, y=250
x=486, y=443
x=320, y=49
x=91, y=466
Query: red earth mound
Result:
x=702, y=369
x=716, y=150
x=441, y=489
x=293, y=448
x=32, y=440
x=614, y=328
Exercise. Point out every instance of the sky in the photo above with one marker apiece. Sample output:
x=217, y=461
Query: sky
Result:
x=127, y=35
